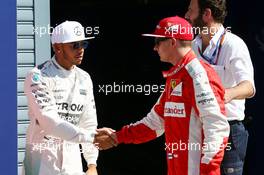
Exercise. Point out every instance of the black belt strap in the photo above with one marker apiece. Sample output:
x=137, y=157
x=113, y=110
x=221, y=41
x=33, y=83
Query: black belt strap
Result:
x=233, y=122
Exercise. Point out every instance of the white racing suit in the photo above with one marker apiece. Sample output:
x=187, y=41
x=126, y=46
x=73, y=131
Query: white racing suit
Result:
x=62, y=115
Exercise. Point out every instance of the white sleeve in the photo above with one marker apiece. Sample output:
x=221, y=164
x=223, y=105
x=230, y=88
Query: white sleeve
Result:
x=43, y=109
x=210, y=106
x=214, y=122
x=240, y=64
x=88, y=121
x=153, y=120
x=148, y=128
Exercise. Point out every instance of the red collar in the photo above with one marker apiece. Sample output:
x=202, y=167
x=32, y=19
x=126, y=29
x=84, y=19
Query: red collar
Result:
x=177, y=67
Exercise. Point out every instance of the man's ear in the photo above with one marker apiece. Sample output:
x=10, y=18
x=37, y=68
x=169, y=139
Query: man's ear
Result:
x=174, y=42
x=56, y=48
x=207, y=15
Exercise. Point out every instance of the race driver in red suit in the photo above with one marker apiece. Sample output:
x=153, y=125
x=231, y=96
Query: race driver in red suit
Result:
x=190, y=110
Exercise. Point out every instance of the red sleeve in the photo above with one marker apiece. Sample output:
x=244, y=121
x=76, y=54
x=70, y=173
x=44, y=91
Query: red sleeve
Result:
x=147, y=129
x=213, y=167
x=135, y=134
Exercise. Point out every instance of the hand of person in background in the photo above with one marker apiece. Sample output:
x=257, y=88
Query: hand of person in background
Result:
x=229, y=95
x=105, y=138
x=91, y=170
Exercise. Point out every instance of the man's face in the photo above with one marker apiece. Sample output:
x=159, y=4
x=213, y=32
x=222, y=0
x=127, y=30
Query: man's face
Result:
x=194, y=15
x=73, y=53
x=162, y=47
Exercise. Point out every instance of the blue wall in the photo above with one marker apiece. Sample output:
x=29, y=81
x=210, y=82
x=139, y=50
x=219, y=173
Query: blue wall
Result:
x=8, y=91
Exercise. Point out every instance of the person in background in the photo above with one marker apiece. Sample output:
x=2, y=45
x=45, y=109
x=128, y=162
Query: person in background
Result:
x=229, y=56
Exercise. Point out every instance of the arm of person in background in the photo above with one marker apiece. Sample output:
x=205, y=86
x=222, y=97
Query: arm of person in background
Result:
x=241, y=68
x=91, y=170
x=43, y=107
x=149, y=128
x=88, y=121
x=243, y=90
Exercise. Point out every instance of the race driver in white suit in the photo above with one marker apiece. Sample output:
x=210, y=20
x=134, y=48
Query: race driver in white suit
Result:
x=61, y=109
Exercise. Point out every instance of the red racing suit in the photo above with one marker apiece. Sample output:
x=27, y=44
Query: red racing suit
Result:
x=192, y=114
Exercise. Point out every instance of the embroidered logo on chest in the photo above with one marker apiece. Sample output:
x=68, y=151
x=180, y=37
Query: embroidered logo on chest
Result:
x=177, y=90
x=174, y=109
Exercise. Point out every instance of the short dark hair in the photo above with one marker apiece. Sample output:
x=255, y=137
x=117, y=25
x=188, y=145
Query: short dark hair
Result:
x=218, y=8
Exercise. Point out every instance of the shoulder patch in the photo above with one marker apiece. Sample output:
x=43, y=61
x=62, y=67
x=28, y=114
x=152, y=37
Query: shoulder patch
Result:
x=35, y=78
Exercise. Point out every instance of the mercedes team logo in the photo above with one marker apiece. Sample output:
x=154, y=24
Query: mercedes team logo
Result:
x=77, y=31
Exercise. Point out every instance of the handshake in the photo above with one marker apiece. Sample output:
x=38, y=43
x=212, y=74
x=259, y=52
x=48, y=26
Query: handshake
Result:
x=105, y=138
